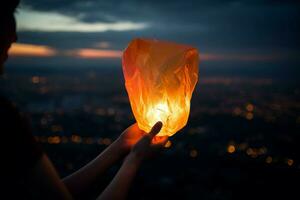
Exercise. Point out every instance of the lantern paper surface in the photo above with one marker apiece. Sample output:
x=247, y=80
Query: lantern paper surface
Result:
x=160, y=78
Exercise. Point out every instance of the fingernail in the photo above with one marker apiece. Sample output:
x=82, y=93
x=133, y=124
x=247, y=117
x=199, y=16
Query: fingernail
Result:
x=160, y=123
x=157, y=126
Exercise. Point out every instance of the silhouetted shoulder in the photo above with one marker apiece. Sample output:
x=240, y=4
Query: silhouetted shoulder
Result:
x=20, y=151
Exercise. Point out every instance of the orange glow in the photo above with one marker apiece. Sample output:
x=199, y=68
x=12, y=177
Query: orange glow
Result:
x=18, y=49
x=56, y=128
x=35, y=79
x=231, y=149
x=240, y=57
x=88, y=140
x=76, y=139
x=107, y=141
x=249, y=151
x=54, y=140
x=262, y=150
x=237, y=111
x=269, y=160
x=168, y=144
x=104, y=141
x=249, y=116
x=290, y=162
x=194, y=153
x=249, y=107
x=212, y=57
x=102, y=45
x=100, y=141
x=96, y=53
x=160, y=78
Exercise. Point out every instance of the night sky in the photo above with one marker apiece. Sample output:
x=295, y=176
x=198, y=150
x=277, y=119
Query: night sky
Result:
x=244, y=34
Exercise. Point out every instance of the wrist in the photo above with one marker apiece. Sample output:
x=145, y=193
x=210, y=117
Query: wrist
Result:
x=133, y=158
x=117, y=148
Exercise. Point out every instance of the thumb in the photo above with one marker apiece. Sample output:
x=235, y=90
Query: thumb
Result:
x=155, y=129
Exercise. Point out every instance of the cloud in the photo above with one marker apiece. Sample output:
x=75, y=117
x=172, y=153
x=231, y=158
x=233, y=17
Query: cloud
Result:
x=94, y=53
x=102, y=45
x=244, y=57
x=215, y=24
x=32, y=20
x=30, y=50
x=236, y=30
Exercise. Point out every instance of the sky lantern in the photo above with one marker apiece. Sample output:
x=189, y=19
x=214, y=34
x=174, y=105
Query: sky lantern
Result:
x=160, y=78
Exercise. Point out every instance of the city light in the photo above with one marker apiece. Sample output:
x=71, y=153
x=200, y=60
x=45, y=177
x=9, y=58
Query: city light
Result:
x=269, y=160
x=250, y=107
x=290, y=162
x=168, y=144
x=231, y=149
x=193, y=153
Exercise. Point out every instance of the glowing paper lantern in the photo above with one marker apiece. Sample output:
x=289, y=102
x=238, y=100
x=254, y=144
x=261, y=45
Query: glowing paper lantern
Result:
x=160, y=78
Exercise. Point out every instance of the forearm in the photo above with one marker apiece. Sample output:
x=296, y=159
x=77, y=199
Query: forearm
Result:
x=82, y=179
x=119, y=186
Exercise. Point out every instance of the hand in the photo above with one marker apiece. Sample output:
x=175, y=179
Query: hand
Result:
x=149, y=144
x=143, y=145
x=129, y=137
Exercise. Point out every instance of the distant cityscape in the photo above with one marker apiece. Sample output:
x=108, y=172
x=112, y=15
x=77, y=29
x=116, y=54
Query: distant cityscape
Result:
x=242, y=133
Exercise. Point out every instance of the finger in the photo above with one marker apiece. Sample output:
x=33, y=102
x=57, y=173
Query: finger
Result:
x=155, y=129
x=133, y=131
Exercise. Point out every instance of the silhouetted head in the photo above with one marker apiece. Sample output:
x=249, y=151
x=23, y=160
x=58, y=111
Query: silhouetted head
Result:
x=8, y=28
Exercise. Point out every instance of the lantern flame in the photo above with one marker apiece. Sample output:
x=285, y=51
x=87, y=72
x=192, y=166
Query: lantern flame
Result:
x=162, y=112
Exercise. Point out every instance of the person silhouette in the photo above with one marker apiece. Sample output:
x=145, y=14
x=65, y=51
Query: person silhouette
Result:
x=29, y=174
